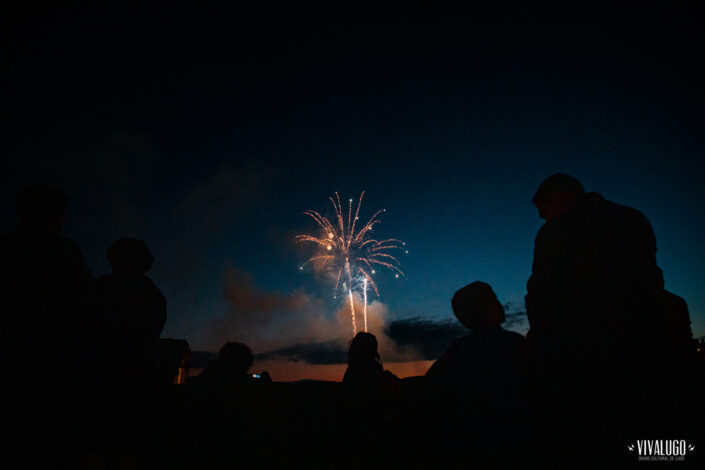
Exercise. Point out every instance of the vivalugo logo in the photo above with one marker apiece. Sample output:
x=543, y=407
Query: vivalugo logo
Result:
x=669, y=450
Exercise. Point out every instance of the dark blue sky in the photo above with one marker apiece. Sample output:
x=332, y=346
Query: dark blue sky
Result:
x=209, y=137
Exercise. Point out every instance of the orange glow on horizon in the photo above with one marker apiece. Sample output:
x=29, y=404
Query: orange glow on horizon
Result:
x=287, y=371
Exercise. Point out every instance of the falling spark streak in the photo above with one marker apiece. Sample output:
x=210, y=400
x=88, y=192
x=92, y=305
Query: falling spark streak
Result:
x=352, y=312
x=351, y=254
x=364, y=308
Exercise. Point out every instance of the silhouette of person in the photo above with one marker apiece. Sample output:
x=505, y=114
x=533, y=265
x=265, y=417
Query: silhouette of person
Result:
x=371, y=396
x=593, y=307
x=132, y=313
x=231, y=366
x=231, y=402
x=594, y=271
x=134, y=308
x=480, y=383
x=364, y=368
x=43, y=287
x=489, y=360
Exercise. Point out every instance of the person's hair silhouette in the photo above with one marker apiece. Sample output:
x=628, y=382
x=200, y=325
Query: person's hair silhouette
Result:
x=557, y=194
x=363, y=348
x=231, y=366
x=476, y=306
x=364, y=368
x=237, y=357
x=129, y=256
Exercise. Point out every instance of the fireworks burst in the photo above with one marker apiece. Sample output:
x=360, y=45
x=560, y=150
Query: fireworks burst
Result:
x=349, y=255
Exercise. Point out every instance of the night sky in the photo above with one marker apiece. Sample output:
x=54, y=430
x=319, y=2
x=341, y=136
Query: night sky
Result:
x=209, y=133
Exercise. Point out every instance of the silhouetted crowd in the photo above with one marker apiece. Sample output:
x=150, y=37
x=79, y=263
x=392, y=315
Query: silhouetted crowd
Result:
x=609, y=359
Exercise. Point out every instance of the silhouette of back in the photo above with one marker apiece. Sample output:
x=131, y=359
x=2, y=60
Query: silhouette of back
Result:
x=597, y=316
x=592, y=293
x=131, y=315
x=681, y=378
x=674, y=322
x=133, y=309
x=43, y=287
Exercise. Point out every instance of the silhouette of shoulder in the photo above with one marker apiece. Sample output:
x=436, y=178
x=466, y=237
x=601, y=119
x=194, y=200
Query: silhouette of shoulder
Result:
x=595, y=215
x=368, y=372
x=140, y=283
x=139, y=288
x=18, y=248
x=133, y=303
x=490, y=335
x=480, y=353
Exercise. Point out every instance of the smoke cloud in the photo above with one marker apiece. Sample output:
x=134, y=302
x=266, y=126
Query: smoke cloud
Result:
x=298, y=327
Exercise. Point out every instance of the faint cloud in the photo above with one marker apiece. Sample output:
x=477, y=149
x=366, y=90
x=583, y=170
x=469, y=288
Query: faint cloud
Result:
x=326, y=352
x=429, y=338
x=227, y=191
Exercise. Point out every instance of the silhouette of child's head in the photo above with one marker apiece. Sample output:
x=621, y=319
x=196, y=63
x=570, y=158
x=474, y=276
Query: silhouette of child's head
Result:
x=363, y=348
x=237, y=356
x=557, y=194
x=476, y=306
x=129, y=256
x=41, y=208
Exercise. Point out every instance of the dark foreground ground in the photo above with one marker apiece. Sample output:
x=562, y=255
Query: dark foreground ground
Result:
x=307, y=424
x=313, y=424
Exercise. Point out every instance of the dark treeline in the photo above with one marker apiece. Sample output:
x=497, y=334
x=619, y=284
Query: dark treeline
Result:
x=609, y=360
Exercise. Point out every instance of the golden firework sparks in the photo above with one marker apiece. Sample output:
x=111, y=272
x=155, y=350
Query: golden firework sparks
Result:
x=349, y=253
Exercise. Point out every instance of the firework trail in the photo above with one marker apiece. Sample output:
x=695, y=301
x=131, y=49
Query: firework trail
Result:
x=364, y=291
x=351, y=254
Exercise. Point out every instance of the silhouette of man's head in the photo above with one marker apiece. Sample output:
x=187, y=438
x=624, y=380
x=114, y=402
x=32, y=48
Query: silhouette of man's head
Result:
x=237, y=356
x=557, y=194
x=42, y=208
x=363, y=348
x=129, y=256
x=476, y=306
